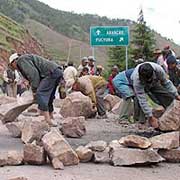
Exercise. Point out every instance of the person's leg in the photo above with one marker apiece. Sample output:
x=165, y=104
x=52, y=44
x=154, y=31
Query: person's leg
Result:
x=100, y=94
x=160, y=95
x=126, y=109
x=138, y=113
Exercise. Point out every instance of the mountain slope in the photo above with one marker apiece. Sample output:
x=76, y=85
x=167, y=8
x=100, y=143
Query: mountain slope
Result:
x=67, y=29
x=59, y=47
x=14, y=37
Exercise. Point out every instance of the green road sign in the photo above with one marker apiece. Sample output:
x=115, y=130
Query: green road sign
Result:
x=109, y=36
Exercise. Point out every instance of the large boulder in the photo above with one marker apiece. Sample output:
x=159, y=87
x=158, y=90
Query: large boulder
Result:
x=74, y=127
x=165, y=141
x=110, y=101
x=170, y=120
x=76, y=104
x=34, y=154
x=57, y=147
x=6, y=99
x=84, y=154
x=133, y=156
x=135, y=141
x=9, y=112
x=171, y=155
x=34, y=129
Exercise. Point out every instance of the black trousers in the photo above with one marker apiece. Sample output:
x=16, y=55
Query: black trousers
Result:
x=159, y=95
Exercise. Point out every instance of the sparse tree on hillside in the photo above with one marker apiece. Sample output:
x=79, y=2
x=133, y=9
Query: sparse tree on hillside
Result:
x=143, y=40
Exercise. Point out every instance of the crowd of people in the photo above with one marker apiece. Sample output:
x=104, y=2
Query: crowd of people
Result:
x=159, y=80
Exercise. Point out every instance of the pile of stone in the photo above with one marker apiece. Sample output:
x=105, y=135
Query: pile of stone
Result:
x=133, y=150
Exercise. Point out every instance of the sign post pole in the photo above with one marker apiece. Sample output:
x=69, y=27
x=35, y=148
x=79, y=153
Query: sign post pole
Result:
x=126, y=57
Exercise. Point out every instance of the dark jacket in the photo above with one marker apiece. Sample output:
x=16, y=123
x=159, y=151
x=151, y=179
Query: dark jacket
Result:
x=174, y=75
x=34, y=68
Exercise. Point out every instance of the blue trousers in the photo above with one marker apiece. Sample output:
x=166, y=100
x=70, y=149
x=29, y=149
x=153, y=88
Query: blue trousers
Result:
x=45, y=93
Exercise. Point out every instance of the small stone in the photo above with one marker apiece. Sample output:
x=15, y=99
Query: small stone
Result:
x=57, y=164
x=165, y=141
x=102, y=157
x=97, y=145
x=135, y=141
x=84, y=154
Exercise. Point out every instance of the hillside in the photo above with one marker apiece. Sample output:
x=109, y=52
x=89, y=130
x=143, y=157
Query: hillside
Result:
x=14, y=37
x=60, y=31
x=59, y=46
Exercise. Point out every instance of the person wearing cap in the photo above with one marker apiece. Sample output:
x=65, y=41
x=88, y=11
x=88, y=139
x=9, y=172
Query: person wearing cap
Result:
x=70, y=75
x=91, y=65
x=110, y=85
x=95, y=88
x=174, y=71
x=146, y=79
x=43, y=76
x=159, y=59
x=99, y=70
x=84, y=63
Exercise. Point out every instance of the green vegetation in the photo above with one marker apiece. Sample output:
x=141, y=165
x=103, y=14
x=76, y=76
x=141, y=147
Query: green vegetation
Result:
x=9, y=29
x=143, y=41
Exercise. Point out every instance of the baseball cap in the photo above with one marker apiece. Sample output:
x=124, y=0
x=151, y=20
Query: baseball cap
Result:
x=171, y=60
x=13, y=57
x=91, y=58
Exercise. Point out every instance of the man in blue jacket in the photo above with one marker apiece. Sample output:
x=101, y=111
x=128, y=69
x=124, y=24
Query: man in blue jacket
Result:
x=147, y=78
x=43, y=76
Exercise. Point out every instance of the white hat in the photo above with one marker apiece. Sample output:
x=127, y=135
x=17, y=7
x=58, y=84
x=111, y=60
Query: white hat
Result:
x=13, y=57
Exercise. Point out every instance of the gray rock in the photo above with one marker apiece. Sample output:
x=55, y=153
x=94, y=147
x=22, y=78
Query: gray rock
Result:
x=102, y=157
x=172, y=155
x=34, y=130
x=133, y=156
x=57, y=147
x=74, y=127
x=34, y=154
x=165, y=141
x=97, y=145
x=84, y=154
x=170, y=120
x=76, y=104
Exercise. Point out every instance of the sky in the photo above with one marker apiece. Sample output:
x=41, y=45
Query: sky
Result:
x=162, y=16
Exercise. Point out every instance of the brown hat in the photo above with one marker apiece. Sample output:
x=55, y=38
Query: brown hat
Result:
x=157, y=51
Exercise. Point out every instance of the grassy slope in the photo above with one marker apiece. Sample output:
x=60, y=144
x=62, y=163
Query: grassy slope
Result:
x=9, y=28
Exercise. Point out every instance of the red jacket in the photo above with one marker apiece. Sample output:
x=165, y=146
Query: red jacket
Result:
x=110, y=85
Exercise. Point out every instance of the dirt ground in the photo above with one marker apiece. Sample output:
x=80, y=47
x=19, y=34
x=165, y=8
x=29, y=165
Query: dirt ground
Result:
x=97, y=129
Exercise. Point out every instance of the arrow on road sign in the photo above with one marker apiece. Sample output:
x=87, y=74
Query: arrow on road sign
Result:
x=98, y=32
x=121, y=39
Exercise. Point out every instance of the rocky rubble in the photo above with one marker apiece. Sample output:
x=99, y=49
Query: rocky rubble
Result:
x=170, y=120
